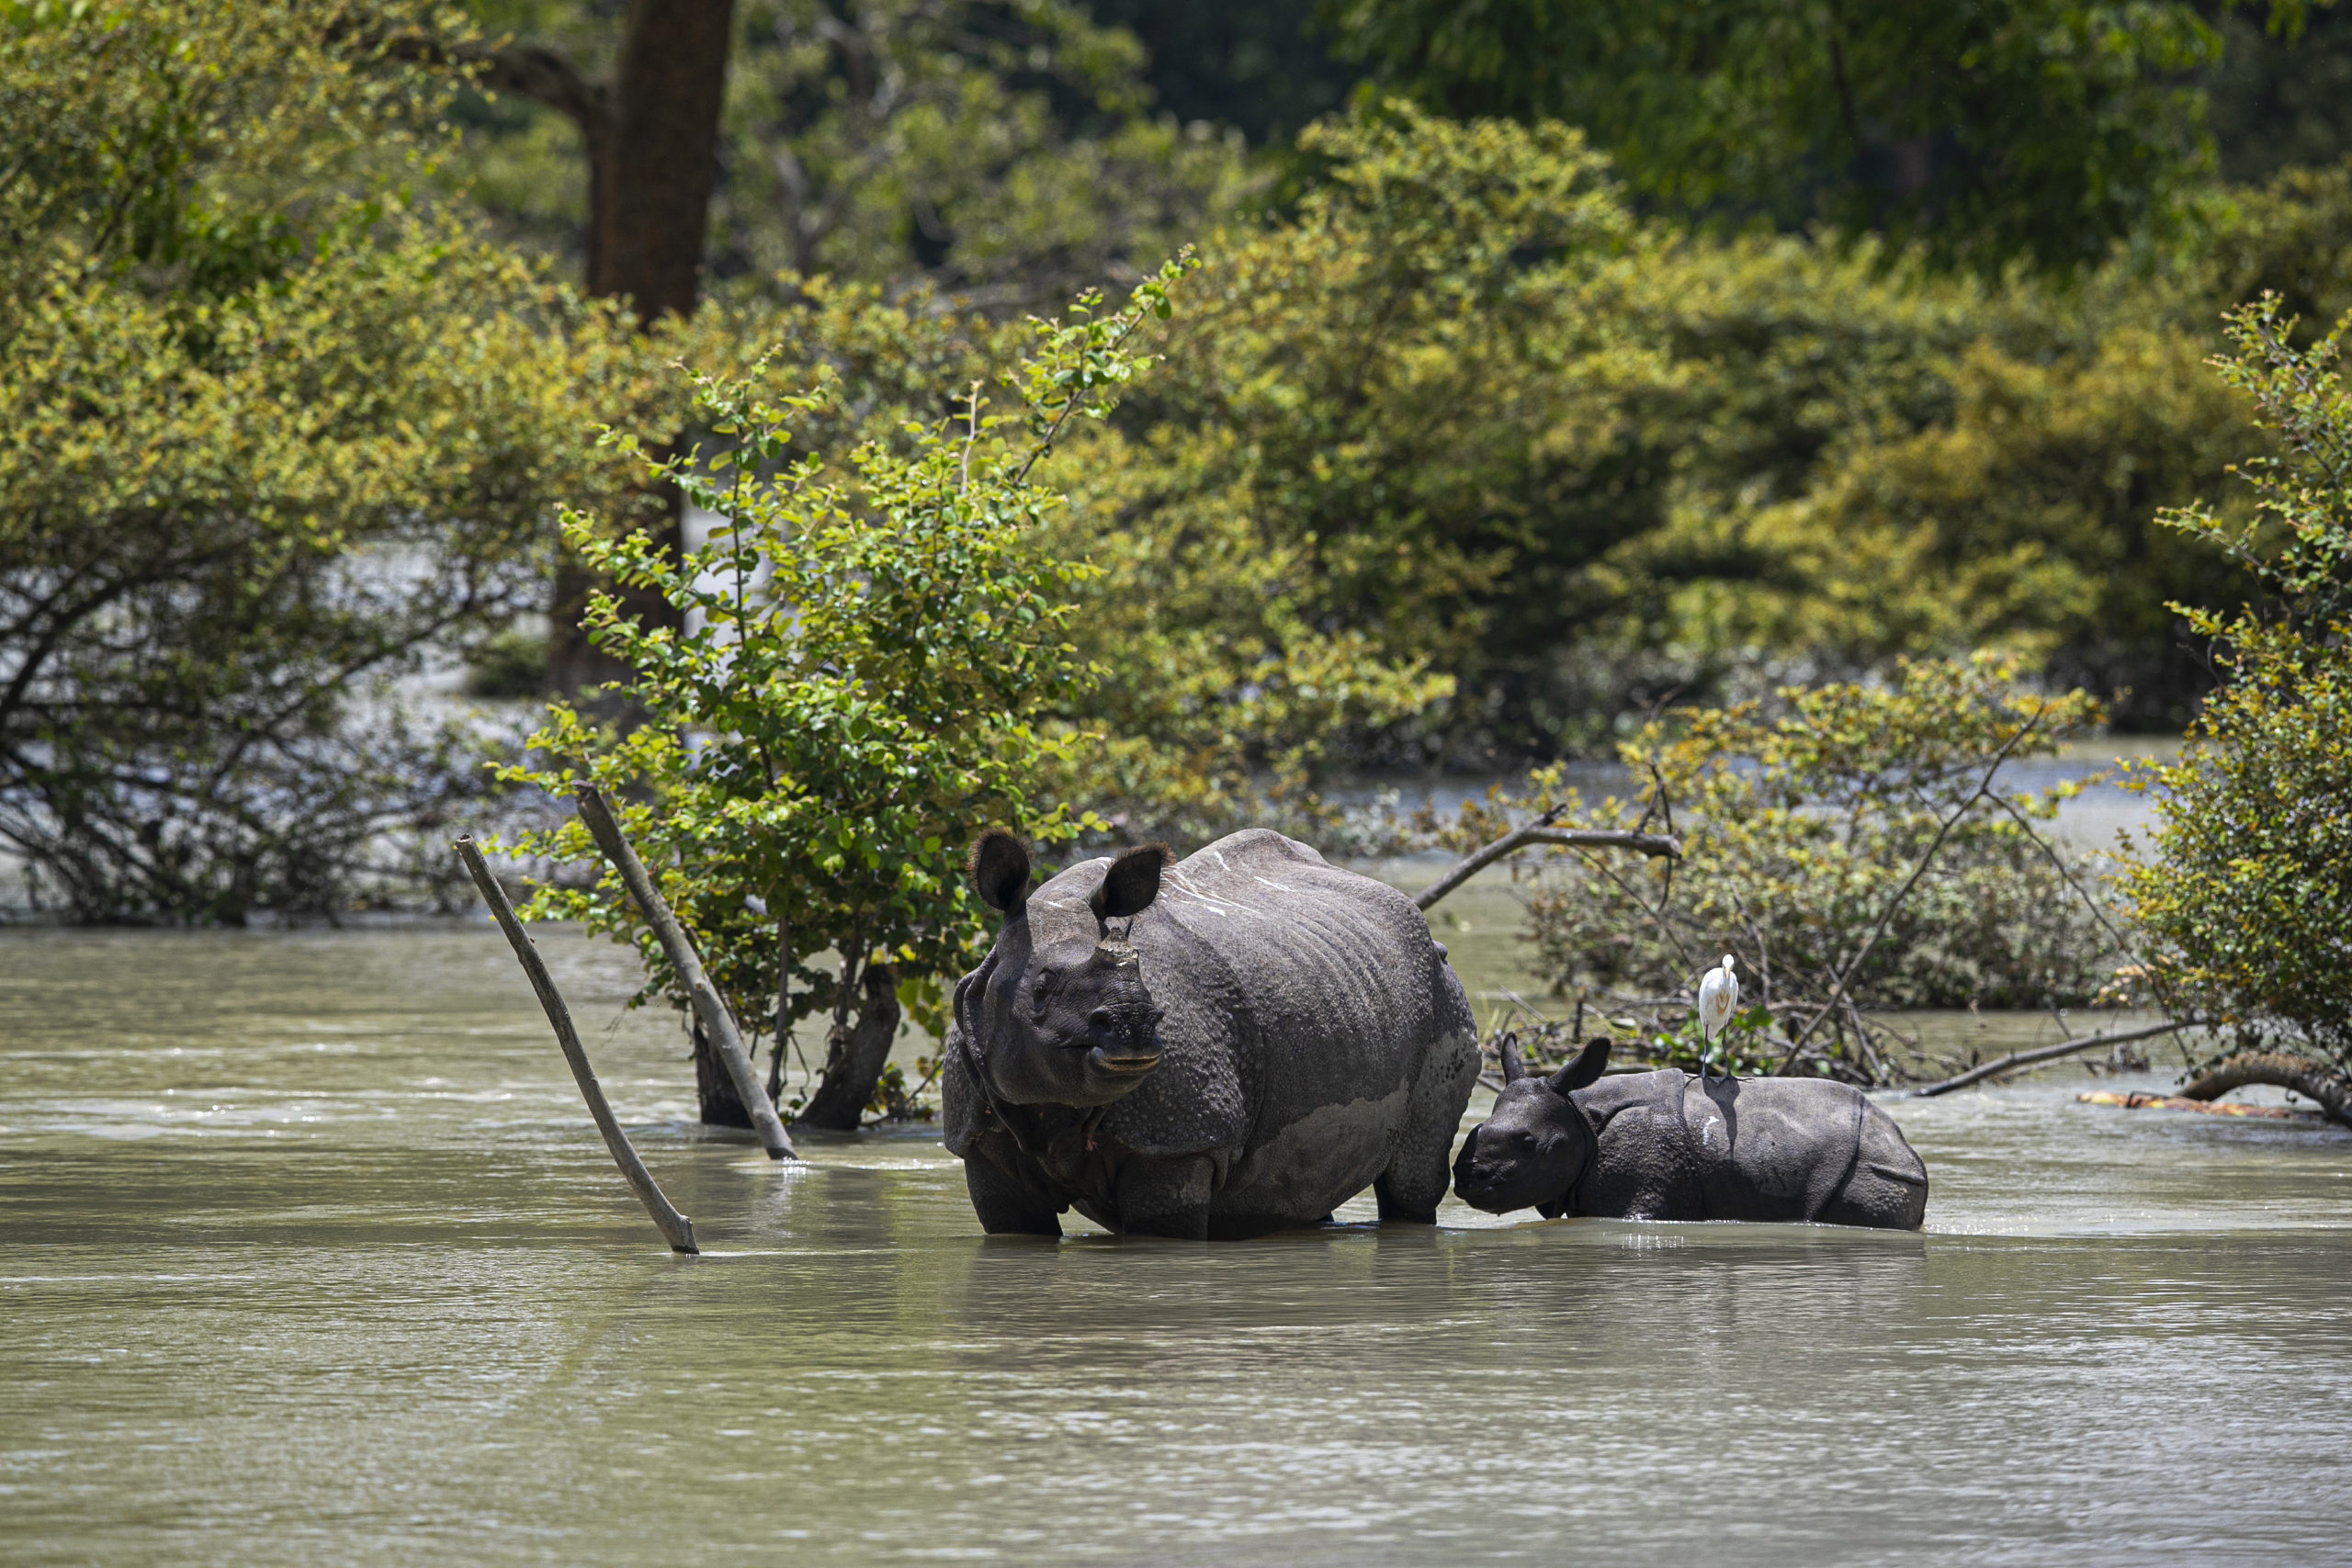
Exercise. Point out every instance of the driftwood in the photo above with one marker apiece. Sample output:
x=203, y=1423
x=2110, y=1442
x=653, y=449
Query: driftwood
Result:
x=2049, y=1054
x=2331, y=1093
x=678, y=1230
x=1541, y=832
x=2181, y=1102
x=709, y=1006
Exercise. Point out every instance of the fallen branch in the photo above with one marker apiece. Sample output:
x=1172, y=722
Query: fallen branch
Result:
x=676, y=1227
x=2330, y=1092
x=709, y=1006
x=1541, y=832
x=2181, y=1102
x=2049, y=1054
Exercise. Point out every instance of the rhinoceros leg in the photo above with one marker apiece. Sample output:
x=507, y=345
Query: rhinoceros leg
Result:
x=1166, y=1198
x=1421, y=1166
x=1888, y=1188
x=1006, y=1204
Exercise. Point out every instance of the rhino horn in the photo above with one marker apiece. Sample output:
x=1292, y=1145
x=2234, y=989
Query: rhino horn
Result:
x=1513, y=1068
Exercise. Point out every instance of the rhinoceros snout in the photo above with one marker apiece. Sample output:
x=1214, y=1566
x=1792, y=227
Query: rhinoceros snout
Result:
x=1125, y=1062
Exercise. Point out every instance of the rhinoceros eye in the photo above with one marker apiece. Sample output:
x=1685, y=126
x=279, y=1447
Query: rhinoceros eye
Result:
x=1041, y=994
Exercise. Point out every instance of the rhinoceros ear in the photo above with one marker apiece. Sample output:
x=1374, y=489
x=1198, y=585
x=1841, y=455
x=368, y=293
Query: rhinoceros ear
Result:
x=1131, y=883
x=1000, y=870
x=1588, y=1066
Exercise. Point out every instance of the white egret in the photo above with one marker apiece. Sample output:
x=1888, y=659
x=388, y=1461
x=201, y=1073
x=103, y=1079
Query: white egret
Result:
x=1718, y=999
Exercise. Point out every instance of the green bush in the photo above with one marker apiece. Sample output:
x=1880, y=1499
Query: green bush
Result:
x=870, y=675
x=1519, y=464
x=1849, y=844
x=2248, y=891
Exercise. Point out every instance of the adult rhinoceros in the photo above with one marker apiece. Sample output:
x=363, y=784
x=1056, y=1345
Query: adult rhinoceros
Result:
x=1233, y=1045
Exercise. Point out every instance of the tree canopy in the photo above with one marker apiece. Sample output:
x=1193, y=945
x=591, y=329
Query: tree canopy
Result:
x=271, y=437
x=1985, y=131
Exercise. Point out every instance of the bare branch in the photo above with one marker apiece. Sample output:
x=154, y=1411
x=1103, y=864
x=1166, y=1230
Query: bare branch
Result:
x=708, y=1005
x=2051, y=1053
x=1541, y=832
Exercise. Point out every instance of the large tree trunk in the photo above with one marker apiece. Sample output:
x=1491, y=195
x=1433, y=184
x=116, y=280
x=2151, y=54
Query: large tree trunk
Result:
x=721, y=1106
x=651, y=137
x=853, y=1063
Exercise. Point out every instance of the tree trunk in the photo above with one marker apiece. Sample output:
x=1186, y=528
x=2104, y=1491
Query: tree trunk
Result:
x=652, y=138
x=2330, y=1091
x=854, y=1060
x=721, y=1106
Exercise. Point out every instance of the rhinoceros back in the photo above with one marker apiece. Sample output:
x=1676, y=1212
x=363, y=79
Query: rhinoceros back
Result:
x=1321, y=994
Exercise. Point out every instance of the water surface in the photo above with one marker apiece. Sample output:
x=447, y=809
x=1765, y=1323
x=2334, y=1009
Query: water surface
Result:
x=311, y=1256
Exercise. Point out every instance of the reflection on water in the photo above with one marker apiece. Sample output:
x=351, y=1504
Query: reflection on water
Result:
x=312, y=1257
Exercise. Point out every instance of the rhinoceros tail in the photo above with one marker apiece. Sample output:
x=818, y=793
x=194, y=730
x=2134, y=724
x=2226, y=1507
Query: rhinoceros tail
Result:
x=1888, y=1186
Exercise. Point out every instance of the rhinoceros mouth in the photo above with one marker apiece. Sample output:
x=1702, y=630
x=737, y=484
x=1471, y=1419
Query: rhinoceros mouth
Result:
x=1126, y=1064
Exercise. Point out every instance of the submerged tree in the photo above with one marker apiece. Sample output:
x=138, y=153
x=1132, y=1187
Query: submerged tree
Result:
x=872, y=661
x=1852, y=844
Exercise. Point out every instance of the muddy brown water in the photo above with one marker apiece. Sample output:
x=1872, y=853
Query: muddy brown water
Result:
x=311, y=1256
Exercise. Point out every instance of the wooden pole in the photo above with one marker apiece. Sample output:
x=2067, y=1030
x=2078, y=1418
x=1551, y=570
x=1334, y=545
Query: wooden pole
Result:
x=709, y=1006
x=676, y=1227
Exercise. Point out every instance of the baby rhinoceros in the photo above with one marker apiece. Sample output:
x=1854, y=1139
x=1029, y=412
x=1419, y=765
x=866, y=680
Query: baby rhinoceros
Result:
x=1230, y=1045
x=1665, y=1146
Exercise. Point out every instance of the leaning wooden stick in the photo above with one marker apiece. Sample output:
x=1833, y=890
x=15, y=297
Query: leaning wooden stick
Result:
x=678, y=1229
x=718, y=1018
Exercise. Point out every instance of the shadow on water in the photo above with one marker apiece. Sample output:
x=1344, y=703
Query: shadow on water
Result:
x=386, y=1302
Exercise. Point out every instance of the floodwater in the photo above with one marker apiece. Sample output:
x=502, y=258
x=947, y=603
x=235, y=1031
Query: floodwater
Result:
x=311, y=1256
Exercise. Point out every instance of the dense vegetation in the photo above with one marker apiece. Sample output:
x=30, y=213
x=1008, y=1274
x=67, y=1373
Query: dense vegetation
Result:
x=1543, y=366
x=1854, y=844
x=271, y=436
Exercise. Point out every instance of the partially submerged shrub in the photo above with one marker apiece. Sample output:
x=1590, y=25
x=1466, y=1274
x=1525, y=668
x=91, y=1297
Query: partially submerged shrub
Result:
x=1851, y=845
x=270, y=441
x=872, y=667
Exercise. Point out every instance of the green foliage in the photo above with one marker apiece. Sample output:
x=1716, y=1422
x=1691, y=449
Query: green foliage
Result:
x=1261, y=66
x=1849, y=844
x=1002, y=149
x=269, y=437
x=868, y=678
x=2046, y=131
x=1372, y=410
x=2282, y=94
x=1462, y=417
x=2247, y=892
x=1898, y=468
